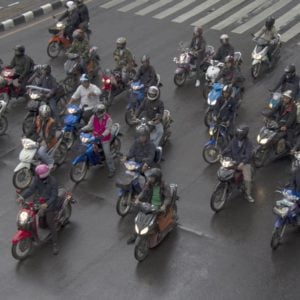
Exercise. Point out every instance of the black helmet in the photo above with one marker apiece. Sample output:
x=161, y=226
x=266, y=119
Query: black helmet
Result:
x=142, y=130
x=154, y=173
x=290, y=71
x=46, y=69
x=270, y=22
x=99, y=110
x=227, y=89
x=19, y=50
x=145, y=59
x=241, y=132
x=153, y=93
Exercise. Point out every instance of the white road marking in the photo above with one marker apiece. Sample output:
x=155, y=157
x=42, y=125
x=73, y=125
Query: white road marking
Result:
x=238, y=15
x=112, y=3
x=219, y=12
x=132, y=5
x=288, y=17
x=292, y=32
x=261, y=16
x=196, y=232
x=153, y=7
x=13, y=4
x=195, y=11
x=173, y=9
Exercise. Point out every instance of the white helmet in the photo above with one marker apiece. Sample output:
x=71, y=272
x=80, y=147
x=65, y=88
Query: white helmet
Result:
x=71, y=5
x=224, y=38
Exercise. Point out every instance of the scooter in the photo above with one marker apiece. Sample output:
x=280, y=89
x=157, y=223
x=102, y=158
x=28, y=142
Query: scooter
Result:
x=24, y=171
x=73, y=71
x=152, y=225
x=93, y=154
x=33, y=229
x=130, y=185
x=3, y=119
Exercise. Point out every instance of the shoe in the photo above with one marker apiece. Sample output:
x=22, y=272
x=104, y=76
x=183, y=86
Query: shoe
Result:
x=131, y=240
x=197, y=84
x=55, y=249
x=250, y=199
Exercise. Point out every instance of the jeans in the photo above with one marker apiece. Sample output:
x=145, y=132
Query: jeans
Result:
x=157, y=134
x=108, y=157
x=44, y=156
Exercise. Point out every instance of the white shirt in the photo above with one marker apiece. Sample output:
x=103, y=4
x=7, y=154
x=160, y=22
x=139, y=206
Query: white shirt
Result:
x=82, y=94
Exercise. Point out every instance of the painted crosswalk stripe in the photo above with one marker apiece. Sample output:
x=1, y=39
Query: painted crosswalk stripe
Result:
x=219, y=12
x=261, y=16
x=239, y=14
x=132, y=5
x=153, y=7
x=173, y=9
x=292, y=32
x=195, y=11
x=112, y=3
x=289, y=16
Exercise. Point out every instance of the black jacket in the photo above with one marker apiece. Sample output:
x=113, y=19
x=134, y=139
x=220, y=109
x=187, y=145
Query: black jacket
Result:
x=73, y=18
x=48, y=82
x=224, y=51
x=288, y=84
x=147, y=76
x=287, y=115
x=142, y=153
x=224, y=111
x=198, y=45
x=83, y=13
x=152, y=109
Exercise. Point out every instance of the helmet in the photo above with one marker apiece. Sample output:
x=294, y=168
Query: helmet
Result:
x=198, y=31
x=227, y=89
x=78, y=34
x=224, y=38
x=270, y=23
x=229, y=59
x=241, y=132
x=142, y=130
x=145, y=59
x=19, y=50
x=121, y=42
x=46, y=69
x=44, y=111
x=42, y=171
x=79, y=2
x=84, y=78
x=70, y=5
x=288, y=94
x=290, y=71
x=154, y=173
x=99, y=110
x=153, y=93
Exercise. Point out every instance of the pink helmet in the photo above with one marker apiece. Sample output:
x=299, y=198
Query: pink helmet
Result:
x=42, y=171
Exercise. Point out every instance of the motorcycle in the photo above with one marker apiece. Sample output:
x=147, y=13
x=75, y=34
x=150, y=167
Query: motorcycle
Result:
x=230, y=179
x=260, y=59
x=93, y=154
x=33, y=228
x=73, y=71
x=3, y=119
x=130, y=186
x=58, y=42
x=24, y=171
x=152, y=226
x=186, y=64
x=218, y=139
x=287, y=212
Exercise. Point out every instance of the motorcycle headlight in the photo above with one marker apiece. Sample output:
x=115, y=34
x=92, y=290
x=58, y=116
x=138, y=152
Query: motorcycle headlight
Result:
x=211, y=102
x=23, y=218
x=261, y=141
x=226, y=163
x=107, y=81
x=60, y=25
x=145, y=230
x=71, y=110
x=34, y=96
x=84, y=140
x=211, y=131
x=256, y=56
x=136, y=229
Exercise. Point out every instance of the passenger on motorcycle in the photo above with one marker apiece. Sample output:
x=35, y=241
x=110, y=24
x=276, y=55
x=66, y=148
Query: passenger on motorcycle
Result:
x=45, y=186
x=44, y=132
x=269, y=33
x=146, y=73
x=289, y=81
x=198, y=45
x=155, y=191
x=101, y=124
x=225, y=49
x=153, y=109
x=240, y=150
x=89, y=96
x=143, y=150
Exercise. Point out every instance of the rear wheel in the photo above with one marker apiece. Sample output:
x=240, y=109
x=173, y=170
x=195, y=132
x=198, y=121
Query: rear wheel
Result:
x=211, y=153
x=70, y=84
x=53, y=49
x=179, y=79
x=256, y=70
x=276, y=237
x=60, y=154
x=123, y=204
x=22, y=178
x=219, y=197
x=3, y=125
x=22, y=249
x=130, y=117
x=78, y=171
x=141, y=249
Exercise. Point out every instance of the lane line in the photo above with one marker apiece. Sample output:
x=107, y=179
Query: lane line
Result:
x=261, y=16
x=292, y=32
x=239, y=14
x=111, y=3
x=173, y=9
x=153, y=7
x=195, y=11
x=132, y=5
x=219, y=12
x=288, y=17
x=13, y=4
x=196, y=232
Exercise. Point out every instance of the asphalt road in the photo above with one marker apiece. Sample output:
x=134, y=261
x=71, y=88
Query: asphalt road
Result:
x=224, y=256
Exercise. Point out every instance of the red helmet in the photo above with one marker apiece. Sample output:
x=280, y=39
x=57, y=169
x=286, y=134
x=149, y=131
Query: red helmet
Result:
x=42, y=171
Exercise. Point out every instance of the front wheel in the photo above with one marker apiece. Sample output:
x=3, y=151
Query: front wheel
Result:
x=53, y=49
x=107, y=99
x=78, y=171
x=276, y=237
x=3, y=125
x=141, y=249
x=22, y=249
x=60, y=154
x=123, y=204
x=22, y=178
x=69, y=139
x=208, y=118
x=256, y=70
x=179, y=79
x=211, y=153
x=130, y=117
x=219, y=197
x=28, y=124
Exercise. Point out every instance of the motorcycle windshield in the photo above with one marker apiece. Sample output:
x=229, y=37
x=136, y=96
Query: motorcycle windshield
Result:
x=144, y=220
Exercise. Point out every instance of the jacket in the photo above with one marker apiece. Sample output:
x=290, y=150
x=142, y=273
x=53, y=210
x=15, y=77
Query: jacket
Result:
x=287, y=115
x=123, y=58
x=73, y=18
x=224, y=51
x=49, y=82
x=45, y=189
x=230, y=76
x=80, y=47
x=224, y=110
x=288, y=84
x=152, y=109
x=83, y=13
x=147, y=76
x=198, y=45
x=22, y=65
x=142, y=153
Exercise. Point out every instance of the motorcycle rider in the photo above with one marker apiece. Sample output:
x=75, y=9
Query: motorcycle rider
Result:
x=146, y=73
x=155, y=191
x=198, y=45
x=153, y=109
x=46, y=187
x=83, y=14
x=269, y=33
x=240, y=150
x=289, y=80
x=226, y=49
x=89, y=96
x=101, y=124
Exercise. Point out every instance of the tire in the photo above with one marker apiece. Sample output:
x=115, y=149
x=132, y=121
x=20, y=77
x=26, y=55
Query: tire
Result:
x=69, y=139
x=60, y=154
x=53, y=49
x=22, y=178
x=28, y=123
x=276, y=237
x=115, y=147
x=68, y=213
x=121, y=207
x=17, y=250
x=256, y=70
x=179, y=79
x=70, y=84
x=206, y=90
x=208, y=118
x=108, y=99
x=141, y=249
x=129, y=117
x=3, y=125
x=83, y=167
x=61, y=106
x=259, y=157
x=219, y=197
x=211, y=153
